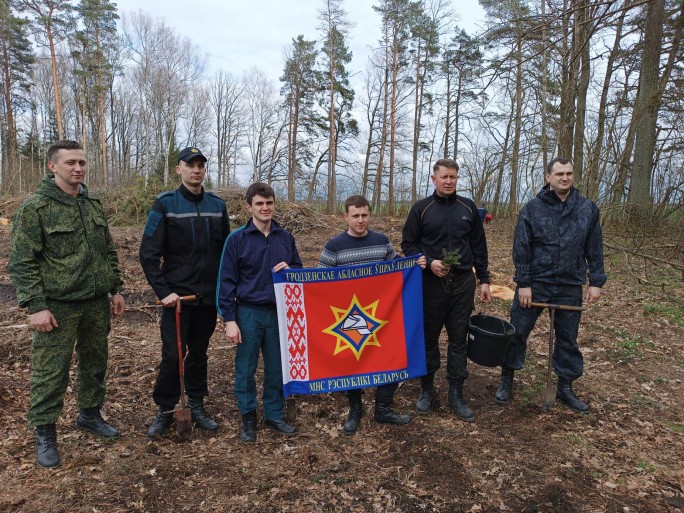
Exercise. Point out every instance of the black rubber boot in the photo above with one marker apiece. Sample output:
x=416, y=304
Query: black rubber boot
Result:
x=427, y=395
x=355, y=413
x=457, y=404
x=564, y=393
x=160, y=423
x=505, y=391
x=91, y=420
x=46, y=446
x=199, y=414
x=386, y=415
x=248, y=427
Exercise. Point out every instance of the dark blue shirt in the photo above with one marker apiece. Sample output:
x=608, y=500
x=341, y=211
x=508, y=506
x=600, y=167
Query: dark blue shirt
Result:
x=246, y=264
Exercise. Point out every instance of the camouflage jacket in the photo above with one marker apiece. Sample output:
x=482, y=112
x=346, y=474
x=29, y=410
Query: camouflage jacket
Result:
x=62, y=249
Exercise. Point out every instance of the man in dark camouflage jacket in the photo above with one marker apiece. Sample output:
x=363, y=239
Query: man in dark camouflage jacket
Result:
x=557, y=244
x=65, y=268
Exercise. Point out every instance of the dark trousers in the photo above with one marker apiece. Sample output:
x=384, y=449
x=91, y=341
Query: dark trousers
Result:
x=384, y=394
x=197, y=326
x=567, y=358
x=448, y=305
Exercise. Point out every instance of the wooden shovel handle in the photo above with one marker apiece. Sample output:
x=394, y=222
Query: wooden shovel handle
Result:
x=191, y=297
x=558, y=307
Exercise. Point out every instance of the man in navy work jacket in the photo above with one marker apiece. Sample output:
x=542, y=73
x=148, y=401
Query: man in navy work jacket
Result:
x=557, y=241
x=185, y=229
x=446, y=221
x=247, y=303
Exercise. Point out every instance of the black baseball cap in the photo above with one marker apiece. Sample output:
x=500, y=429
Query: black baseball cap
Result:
x=189, y=153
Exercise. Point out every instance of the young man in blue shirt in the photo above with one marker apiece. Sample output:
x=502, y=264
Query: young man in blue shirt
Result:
x=247, y=304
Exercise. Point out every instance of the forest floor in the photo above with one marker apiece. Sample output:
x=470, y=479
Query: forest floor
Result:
x=624, y=456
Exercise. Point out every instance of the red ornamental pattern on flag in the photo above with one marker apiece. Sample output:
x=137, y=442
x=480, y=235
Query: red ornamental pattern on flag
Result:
x=298, y=355
x=350, y=327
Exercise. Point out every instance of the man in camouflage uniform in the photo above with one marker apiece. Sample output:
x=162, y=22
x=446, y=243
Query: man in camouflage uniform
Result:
x=65, y=267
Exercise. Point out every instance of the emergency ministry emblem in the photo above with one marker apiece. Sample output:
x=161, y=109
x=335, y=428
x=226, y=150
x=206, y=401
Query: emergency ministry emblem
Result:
x=355, y=327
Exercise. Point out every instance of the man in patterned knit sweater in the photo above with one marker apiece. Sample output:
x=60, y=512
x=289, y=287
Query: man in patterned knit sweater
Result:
x=359, y=245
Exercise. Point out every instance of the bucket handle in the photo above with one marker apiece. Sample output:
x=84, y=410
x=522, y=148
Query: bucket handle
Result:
x=503, y=323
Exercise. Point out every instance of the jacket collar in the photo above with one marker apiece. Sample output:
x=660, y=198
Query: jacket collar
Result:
x=49, y=188
x=550, y=197
x=251, y=227
x=444, y=199
x=191, y=196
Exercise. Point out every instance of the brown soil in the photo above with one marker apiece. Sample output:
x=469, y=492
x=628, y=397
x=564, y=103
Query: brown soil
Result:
x=626, y=455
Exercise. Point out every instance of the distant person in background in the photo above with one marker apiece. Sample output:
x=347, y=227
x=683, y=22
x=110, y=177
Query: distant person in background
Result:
x=557, y=244
x=64, y=265
x=488, y=218
x=359, y=245
x=247, y=303
x=185, y=230
x=447, y=222
x=482, y=211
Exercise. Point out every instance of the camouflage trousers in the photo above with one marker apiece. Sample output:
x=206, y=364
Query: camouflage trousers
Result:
x=84, y=325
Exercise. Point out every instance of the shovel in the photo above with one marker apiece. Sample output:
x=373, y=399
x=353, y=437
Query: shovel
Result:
x=549, y=393
x=182, y=415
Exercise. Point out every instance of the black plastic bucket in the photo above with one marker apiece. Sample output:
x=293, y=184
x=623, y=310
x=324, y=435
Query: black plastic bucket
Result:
x=488, y=339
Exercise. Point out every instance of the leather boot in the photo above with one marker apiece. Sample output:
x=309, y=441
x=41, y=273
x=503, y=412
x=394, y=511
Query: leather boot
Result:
x=564, y=393
x=427, y=394
x=248, y=427
x=505, y=391
x=91, y=420
x=199, y=414
x=457, y=404
x=160, y=423
x=386, y=415
x=46, y=446
x=355, y=414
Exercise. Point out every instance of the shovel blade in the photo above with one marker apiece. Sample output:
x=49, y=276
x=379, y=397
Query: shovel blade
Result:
x=549, y=398
x=183, y=423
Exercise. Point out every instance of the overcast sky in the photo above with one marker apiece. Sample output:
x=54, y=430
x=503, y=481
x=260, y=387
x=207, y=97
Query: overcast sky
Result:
x=239, y=35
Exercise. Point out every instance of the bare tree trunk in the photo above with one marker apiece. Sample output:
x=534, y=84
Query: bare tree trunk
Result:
x=583, y=35
x=418, y=106
x=592, y=180
x=393, y=123
x=55, y=80
x=648, y=102
x=513, y=197
x=103, y=126
x=8, y=184
x=568, y=85
x=332, y=146
x=377, y=189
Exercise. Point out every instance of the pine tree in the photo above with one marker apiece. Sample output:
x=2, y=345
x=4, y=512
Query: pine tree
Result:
x=17, y=58
x=99, y=41
x=300, y=83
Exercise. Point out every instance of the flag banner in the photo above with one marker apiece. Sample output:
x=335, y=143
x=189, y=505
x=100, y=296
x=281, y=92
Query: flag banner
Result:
x=350, y=327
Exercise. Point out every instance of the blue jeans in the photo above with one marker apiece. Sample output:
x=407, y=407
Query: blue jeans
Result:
x=259, y=331
x=567, y=359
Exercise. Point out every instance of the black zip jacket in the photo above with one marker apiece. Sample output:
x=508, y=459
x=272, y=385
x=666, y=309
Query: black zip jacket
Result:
x=438, y=222
x=186, y=232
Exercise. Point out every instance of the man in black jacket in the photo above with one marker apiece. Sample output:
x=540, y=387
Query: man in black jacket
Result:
x=440, y=224
x=185, y=229
x=557, y=242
